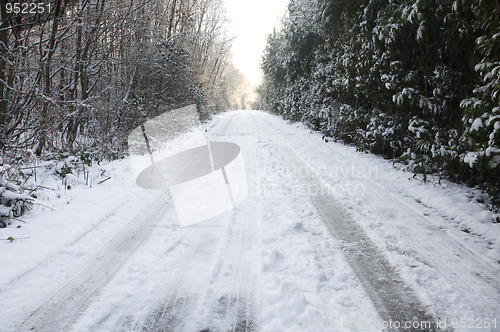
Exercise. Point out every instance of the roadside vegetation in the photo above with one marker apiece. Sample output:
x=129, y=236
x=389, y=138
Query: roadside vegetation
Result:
x=413, y=80
x=76, y=76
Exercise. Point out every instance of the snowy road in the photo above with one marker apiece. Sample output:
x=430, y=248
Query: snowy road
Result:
x=328, y=238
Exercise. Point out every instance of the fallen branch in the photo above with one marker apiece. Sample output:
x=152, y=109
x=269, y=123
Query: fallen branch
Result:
x=11, y=239
x=21, y=168
x=104, y=180
x=48, y=207
x=38, y=186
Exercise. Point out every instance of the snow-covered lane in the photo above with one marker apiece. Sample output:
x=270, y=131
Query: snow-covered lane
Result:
x=269, y=265
x=443, y=245
x=392, y=298
x=62, y=309
x=64, y=242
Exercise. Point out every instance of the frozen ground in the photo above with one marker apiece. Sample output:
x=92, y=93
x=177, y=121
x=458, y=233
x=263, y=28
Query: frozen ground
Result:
x=327, y=238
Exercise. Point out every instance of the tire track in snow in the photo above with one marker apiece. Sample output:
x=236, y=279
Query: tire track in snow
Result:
x=60, y=311
x=228, y=275
x=458, y=265
x=448, y=256
x=392, y=298
x=379, y=193
x=93, y=228
x=178, y=304
x=172, y=313
x=240, y=303
x=235, y=309
x=232, y=303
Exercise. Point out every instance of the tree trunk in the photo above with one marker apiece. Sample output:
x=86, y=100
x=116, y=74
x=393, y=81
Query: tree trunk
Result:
x=171, y=23
x=3, y=67
x=47, y=77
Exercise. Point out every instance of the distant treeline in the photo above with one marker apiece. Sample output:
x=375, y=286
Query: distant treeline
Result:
x=413, y=80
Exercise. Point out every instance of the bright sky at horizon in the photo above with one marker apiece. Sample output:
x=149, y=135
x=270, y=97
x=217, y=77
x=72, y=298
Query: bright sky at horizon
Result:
x=251, y=22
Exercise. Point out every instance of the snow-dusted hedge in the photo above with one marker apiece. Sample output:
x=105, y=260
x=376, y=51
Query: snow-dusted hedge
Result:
x=26, y=178
x=414, y=80
x=15, y=194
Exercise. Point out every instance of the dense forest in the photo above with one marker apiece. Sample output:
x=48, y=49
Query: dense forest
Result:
x=76, y=76
x=80, y=74
x=413, y=80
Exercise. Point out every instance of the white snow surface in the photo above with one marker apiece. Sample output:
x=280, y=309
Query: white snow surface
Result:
x=271, y=260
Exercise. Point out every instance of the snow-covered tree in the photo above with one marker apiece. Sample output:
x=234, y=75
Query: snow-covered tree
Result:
x=415, y=80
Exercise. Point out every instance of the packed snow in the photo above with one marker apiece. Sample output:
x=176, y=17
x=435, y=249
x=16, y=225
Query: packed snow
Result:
x=113, y=256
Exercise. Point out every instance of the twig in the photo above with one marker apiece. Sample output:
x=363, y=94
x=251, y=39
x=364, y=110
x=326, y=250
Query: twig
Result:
x=38, y=186
x=48, y=207
x=18, y=219
x=11, y=239
x=21, y=168
x=105, y=180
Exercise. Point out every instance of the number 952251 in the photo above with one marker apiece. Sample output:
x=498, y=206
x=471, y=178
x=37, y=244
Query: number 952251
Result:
x=27, y=8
